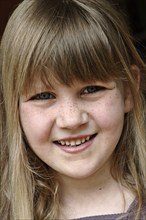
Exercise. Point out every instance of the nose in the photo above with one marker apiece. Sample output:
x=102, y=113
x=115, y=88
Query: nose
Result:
x=71, y=116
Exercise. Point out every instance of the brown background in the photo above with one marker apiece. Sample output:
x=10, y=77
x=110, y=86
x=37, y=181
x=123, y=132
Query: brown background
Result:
x=6, y=8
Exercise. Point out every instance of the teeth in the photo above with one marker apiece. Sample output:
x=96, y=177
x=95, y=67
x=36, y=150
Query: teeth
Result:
x=87, y=138
x=67, y=143
x=78, y=142
x=73, y=143
x=83, y=140
x=62, y=142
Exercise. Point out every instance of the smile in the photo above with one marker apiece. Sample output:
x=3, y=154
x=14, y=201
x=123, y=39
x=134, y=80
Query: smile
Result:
x=75, y=142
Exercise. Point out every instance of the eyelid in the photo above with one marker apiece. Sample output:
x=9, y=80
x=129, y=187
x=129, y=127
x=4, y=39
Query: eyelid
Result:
x=96, y=87
x=36, y=96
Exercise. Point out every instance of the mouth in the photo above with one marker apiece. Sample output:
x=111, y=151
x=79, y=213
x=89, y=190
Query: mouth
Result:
x=75, y=142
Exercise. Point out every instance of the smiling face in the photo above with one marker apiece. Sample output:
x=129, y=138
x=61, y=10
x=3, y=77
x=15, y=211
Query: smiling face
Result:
x=75, y=129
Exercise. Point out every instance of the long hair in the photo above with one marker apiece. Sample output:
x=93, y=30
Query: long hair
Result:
x=64, y=40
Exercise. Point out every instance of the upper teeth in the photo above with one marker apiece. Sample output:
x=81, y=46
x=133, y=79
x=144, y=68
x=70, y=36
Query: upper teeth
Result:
x=74, y=142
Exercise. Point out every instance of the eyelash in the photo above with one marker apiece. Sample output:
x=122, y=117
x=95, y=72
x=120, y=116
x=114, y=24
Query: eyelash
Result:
x=43, y=96
x=47, y=95
x=92, y=89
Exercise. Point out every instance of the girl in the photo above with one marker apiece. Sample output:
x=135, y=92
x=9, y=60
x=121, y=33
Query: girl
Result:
x=73, y=140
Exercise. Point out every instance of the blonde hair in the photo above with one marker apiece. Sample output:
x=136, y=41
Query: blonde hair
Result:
x=64, y=40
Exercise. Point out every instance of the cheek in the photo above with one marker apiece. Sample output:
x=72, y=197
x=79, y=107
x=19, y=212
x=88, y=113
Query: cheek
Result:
x=110, y=113
x=35, y=124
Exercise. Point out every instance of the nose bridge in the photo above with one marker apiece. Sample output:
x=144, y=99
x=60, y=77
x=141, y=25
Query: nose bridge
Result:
x=71, y=114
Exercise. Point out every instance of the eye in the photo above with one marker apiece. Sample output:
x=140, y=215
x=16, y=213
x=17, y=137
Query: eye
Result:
x=43, y=96
x=92, y=89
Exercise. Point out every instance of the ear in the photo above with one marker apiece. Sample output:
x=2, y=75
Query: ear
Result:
x=128, y=97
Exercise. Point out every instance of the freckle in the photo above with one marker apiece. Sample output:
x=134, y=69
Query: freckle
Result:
x=100, y=189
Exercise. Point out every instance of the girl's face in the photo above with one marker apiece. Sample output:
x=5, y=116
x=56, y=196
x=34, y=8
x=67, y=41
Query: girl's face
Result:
x=75, y=129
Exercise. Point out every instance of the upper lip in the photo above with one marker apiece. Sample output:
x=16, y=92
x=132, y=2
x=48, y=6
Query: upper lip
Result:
x=73, y=138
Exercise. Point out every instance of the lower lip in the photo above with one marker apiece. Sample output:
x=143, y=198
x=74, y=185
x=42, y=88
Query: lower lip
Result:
x=78, y=149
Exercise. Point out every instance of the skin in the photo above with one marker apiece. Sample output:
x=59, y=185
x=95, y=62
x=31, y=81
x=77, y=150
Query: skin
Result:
x=63, y=112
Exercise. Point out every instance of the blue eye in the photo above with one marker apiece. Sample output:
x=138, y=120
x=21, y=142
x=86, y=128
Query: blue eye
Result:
x=43, y=96
x=92, y=89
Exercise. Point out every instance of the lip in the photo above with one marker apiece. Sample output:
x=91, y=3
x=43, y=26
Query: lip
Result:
x=76, y=149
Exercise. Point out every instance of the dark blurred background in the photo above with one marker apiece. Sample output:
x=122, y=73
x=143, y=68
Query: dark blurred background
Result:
x=134, y=12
